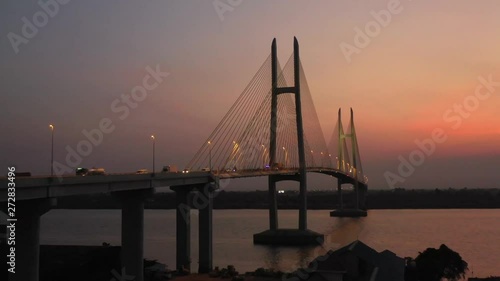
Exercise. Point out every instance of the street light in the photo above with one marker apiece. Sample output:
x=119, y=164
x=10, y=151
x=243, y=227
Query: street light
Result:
x=312, y=157
x=210, y=155
x=264, y=156
x=153, y=138
x=286, y=156
x=322, y=160
x=52, y=151
x=235, y=148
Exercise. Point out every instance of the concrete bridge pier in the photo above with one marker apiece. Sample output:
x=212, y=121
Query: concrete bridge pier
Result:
x=283, y=236
x=200, y=197
x=27, y=239
x=359, y=209
x=132, y=252
x=362, y=197
x=203, y=201
x=183, y=228
x=273, y=205
x=339, y=194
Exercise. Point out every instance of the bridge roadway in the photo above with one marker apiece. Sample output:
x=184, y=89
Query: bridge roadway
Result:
x=35, y=196
x=52, y=187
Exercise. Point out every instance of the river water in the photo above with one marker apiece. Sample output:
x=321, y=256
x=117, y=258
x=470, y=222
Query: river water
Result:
x=474, y=234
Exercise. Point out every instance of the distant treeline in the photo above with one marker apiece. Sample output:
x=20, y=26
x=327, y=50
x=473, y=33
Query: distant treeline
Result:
x=376, y=199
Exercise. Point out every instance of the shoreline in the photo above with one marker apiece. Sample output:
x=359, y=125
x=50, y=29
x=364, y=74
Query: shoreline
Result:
x=397, y=199
x=99, y=262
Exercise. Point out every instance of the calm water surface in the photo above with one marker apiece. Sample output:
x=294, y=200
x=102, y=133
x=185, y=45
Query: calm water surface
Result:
x=475, y=234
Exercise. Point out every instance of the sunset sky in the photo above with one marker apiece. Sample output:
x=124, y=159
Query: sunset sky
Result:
x=420, y=71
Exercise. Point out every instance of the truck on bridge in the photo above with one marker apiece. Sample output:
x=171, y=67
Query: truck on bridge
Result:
x=81, y=171
x=96, y=171
x=170, y=169
x=277, y=166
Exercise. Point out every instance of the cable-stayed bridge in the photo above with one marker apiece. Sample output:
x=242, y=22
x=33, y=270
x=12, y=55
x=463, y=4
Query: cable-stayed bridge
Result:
x=260, y=131
x=271, y=130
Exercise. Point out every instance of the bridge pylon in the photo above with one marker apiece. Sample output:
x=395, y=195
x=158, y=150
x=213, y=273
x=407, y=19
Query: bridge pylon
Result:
x=354, y=169
x=276, y=235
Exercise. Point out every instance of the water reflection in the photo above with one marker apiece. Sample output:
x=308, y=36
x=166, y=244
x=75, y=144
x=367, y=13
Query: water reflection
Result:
x=405, y=232
x=272, y=257
x=342, y=232
x=305, y=255
x=285, y=258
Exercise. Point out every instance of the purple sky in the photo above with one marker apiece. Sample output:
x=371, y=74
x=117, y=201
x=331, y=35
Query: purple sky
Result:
x=419, y=71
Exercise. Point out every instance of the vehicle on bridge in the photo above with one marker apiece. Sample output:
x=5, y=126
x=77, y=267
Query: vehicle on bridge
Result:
x=142, y=171
x=81, y=171
x=96, y=171
x=170, y=169
x=229, y=170
x=205, y=170
x=277, y=166
x=185, y=171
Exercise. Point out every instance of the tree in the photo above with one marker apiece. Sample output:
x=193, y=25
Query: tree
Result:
x=435, y=264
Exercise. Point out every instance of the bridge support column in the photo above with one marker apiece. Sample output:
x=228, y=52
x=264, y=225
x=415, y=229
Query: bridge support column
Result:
x=132, y=252
x=358, y=210
x=303, y=201
x=339, y=194
x=356, y=189
x=362, y=198
x=276, y=236
x=273, y=205
x=204, y=202
x=27, y=229
x=183, y=229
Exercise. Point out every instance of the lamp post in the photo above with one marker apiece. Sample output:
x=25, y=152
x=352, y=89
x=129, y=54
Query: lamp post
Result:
x=263, y=156
x=322, y=160
x=153, y=138
x=210, y=155
x=286, y=156
x=52, y=151
x=235, y=149
x=312, y=157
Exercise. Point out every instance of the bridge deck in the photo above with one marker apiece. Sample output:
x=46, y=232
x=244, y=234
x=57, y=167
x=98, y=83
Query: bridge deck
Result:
x=48, y=187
